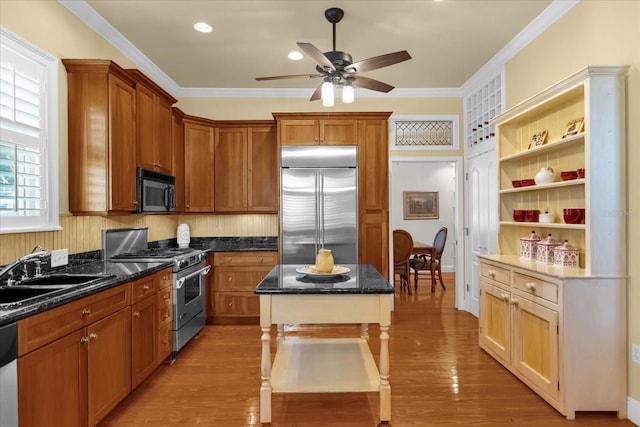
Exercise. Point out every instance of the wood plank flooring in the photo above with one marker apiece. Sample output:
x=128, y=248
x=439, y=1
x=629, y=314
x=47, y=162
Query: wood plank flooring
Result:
x=439, y=377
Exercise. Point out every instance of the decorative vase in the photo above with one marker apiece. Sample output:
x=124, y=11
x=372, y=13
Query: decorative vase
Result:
x=544, y=176
x=324, y=261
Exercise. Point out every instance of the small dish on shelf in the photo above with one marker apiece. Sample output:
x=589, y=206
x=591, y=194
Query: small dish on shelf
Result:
x=580, y=173
x=568, y=175
x=516, y=184
x=528, y=182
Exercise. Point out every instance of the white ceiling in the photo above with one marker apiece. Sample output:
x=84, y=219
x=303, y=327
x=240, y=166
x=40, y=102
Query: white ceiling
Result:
x=449, y=40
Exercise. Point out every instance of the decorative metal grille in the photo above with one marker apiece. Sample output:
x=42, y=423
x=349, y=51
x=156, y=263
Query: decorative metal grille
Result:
x=426, y=133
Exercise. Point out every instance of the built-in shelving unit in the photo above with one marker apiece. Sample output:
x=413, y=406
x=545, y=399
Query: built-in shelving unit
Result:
x=555, y=327
x=481, y=107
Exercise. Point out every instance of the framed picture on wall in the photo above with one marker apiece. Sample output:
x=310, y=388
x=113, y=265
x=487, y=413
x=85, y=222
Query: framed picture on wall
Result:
x=420, y=204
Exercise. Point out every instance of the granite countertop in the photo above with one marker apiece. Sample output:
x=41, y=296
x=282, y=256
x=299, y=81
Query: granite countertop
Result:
x=362, y=279
x=118, y=273
x=115, y=274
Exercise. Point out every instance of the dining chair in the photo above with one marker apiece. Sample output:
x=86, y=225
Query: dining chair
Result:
x=402, y=246
x=432, y=262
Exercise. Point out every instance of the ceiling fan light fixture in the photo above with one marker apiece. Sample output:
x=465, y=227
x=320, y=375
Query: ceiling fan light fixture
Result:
x=348, y=94
x=327, y=94
x=203, y=27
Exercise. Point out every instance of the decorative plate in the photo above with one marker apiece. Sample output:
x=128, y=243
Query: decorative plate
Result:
x=310, y=270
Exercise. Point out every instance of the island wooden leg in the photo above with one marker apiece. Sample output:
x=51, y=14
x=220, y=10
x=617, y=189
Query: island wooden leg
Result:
x=385, y=386
x=265, y=368
x=280, y=336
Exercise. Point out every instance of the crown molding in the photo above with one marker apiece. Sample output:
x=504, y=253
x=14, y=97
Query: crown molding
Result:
x=191, y=92
x=495, y=65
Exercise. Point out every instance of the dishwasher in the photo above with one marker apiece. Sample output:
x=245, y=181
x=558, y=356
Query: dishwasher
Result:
x=9, y=375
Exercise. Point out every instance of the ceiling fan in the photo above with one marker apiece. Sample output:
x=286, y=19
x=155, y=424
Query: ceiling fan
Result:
x=338, y=69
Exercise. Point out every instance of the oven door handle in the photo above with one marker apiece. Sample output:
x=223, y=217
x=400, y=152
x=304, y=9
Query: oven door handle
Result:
x=204, y=271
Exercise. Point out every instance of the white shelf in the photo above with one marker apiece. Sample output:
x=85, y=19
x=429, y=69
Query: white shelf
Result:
x=545, y=148
x=321, y=365
x=544, y=225
x=568, y=183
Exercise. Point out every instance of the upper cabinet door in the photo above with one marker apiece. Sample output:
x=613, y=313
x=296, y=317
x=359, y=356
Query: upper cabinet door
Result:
x=338, y=132
x=231, y=170
x=154, y=150
x=263, y=170
x=299, y=132
x=199, y=166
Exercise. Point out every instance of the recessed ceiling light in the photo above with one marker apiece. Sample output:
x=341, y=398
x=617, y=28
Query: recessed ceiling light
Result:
x=295, y=56
x=203, y=27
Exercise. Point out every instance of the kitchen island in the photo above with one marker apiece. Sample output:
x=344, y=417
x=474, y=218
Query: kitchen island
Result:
x=313, y=365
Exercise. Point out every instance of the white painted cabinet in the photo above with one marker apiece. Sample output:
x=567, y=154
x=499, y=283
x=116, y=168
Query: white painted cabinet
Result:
x=562, y=330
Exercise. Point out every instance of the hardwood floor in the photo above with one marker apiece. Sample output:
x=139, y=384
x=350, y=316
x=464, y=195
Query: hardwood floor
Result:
x=439, y=377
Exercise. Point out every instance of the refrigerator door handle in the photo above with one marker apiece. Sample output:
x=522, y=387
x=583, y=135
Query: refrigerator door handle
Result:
x=318, y=227
x=321, y=207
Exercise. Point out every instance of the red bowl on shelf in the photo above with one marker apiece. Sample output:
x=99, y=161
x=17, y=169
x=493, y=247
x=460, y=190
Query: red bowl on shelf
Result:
x=519, y=215
x=516, y=183
x=580, y=173
x=528, y=182
x=568, y=175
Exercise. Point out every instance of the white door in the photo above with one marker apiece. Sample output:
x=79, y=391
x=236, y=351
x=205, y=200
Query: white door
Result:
x=481, y=229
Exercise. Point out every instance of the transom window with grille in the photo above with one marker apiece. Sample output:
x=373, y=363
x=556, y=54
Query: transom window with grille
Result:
x=28, y=145
x=423, y=132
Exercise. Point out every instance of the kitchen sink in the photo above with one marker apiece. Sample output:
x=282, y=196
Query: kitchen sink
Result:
x=62, y=279
x=13, y=294
x=28, y=290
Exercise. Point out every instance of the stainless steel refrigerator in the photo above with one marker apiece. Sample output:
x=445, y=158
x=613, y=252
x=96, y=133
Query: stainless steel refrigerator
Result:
x=318, y=203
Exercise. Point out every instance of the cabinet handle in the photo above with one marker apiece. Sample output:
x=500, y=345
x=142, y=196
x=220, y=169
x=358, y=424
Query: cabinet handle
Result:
x=230, y=279
x=136, y=314
x=492, y=274
x=93, y=336
x=230, y=304
x=166, y=297
x=515, y=301
x=530, y=286
x=505, y=297
x=145, y=287
x=86, y=311
x=84, y=340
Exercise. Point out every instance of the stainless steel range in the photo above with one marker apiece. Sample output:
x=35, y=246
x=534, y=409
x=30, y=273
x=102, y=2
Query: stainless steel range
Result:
x=130, y=245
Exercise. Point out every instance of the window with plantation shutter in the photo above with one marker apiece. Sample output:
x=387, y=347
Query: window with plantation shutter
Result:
x=28, y=137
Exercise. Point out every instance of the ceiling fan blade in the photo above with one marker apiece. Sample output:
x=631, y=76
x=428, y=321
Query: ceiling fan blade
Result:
x=290, y=76
x=378, y=62
x=316, y=55
x=317, y=94
x=367, y=83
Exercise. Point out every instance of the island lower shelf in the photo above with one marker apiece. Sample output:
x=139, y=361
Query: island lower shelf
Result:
x=322, y=365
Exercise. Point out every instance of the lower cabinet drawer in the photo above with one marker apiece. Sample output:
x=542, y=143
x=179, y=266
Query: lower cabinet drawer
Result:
x=238, y=278
x=165, y=342
x=535, y=286
x=237, y=304
x=164, y=302
x=493, y=272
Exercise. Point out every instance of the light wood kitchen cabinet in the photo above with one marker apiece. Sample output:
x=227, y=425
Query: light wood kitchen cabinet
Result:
x=369, y=131
x=102, y=139
x=145, y=324
x=74, y=362
x=177, y=139
x=153, y=125
x=199, y=164
x=246, y=167
x=302, y=129
x=556, y=327
x=235, y=276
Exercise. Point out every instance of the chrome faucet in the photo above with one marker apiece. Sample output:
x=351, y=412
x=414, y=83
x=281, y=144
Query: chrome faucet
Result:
x=22, y=261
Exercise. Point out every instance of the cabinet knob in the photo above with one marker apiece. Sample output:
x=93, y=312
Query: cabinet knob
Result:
x=530, y=286
x=145, y=287
x=136, y=314
x=229, y=279
x=166, y=297
x=86, y=311
x=505, y=297
x=84, y=340
x=260, y=259
x=515, y=301
x=93, y=336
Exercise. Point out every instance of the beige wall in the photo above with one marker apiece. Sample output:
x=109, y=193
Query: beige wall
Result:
x=595, y=33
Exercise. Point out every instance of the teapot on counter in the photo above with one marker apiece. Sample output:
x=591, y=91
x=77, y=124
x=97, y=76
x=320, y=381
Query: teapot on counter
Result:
x=544, y=176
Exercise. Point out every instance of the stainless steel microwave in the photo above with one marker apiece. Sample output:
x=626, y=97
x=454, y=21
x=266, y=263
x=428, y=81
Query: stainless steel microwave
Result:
x=156, y=192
